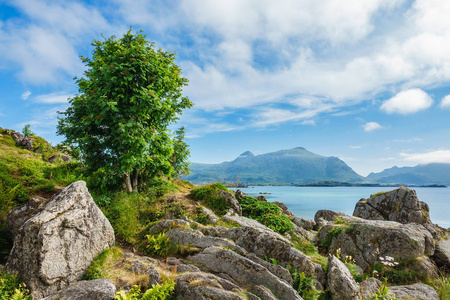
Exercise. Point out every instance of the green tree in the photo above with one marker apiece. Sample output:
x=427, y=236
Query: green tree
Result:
x=128, y=96
x=181, y=153
x=27, y=131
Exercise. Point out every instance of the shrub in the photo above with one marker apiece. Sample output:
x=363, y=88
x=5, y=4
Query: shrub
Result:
x=12, y=288
x=157, y=292
x=158, y=244
x=209, y=194
x=266, y=213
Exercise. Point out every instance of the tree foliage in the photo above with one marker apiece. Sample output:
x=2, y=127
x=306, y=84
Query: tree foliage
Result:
x=128, y=96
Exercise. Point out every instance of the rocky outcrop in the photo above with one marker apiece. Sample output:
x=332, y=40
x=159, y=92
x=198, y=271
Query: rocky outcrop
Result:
x=324, y=217
x=340, y=282
x=211, y=216
x=400, y=205
x=366, y=240
x=206, y=286
x=442, y=252
x=284, y=208
x=55, y=241
x=369, y=288
x=232, y=216
x=24, y=141
x=60, y=157
x=306, y=224
x=415, y=291
x=187, y=236
x=243, y=270
x=231, y=201
x=99, y=289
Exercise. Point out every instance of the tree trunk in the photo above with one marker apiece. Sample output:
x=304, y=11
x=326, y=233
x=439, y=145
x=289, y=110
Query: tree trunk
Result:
x=135, y=180
x=127, y=179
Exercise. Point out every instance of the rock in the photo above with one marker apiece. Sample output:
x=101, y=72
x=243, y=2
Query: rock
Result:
x=243, y=270
x=425, y=267
x=266, y=243
x=181, y=266
x=60, y=157
x=17, y=217
x=25, y=141
x=304, y=223
x=239, y=194
x=340, y=282
x=442, y=253
x=369, y=288
x=187, y=236
x=281, y=205
x=415, y=291
x=276, y=270
x=399, y=205
x=231, y=200
x=324, y=216
x=232, y=216
x=261, y=198
x=205, y=286
x=165, y=225
x=212, y=218
x=368, y=240
x=263, y=293
x=58, y=240
x=98, y=289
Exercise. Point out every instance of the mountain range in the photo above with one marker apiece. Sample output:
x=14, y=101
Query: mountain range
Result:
x=300, y=166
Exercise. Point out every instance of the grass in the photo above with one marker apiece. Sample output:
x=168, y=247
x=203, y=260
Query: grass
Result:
x=441, y=285
x=209, y=195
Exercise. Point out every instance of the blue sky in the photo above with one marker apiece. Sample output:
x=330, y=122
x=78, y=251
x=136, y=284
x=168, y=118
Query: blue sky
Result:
x=367, y=81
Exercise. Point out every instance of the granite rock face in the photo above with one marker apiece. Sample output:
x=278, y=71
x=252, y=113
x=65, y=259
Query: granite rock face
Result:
x=231, y=200
x=55, y=241
x=340, y=281
x=98, y=289
x=442, y=252
x=415, y=291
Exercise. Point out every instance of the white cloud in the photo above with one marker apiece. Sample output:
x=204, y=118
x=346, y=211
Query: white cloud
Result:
x=438, y=156
x=407, y=102
x=446, y=102
x=53, y=98
x=25, y=95
x=371, y=126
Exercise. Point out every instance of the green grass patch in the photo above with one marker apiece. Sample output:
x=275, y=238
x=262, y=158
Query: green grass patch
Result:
x=100, y=265
x=209, y=194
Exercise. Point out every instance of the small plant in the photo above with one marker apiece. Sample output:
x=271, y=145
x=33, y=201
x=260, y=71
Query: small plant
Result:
x=157, y=292
x=12, y=288
x=210, y=195
x=304, y=284
x=442, y=285
x=27, y=131
x=158, y=244
x=330, y=235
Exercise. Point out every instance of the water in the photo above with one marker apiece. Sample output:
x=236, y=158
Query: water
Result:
x=306, y=201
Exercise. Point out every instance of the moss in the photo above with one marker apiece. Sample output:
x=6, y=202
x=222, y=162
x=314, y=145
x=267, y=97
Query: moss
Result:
x=378, y=194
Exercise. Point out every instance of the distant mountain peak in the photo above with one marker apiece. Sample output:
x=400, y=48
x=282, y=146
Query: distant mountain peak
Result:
x=247, y=154
x=299, y=148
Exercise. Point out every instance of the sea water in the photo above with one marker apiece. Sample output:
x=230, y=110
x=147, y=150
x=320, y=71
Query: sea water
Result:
x=306, y=201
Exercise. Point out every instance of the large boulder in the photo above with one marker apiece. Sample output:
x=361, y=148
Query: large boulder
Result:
x=55, y=241
x=243, y=270
x=231, y=201
x=25, y=141
x=99, y=289
x=417, y=291
x=367, y=240
x=340, y=281
x=399, y=205
x=442, y=252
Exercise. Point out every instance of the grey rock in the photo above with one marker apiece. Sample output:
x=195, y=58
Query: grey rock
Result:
x=417, y=291
x=340, y=282
x=232, y=216
x=99, y=289
x=243, y=270
x=277, y=270
x=25, y=141
x=212, y=218
x=261, y=198
x=263, y=293
x=57, y=242
x=367, y=240
x=18, y=216
x=304, y=223
x=231, y=200
x=168, y=224
x=205, y=286
x=399, y=205
x=239, y=194
x=442, y=253
x=181, y=266
x=324, y=217
x=281, y=205
x=149, y=270
x=187, y=236
x=369, y=288
x=266, y=243
x=60, y=157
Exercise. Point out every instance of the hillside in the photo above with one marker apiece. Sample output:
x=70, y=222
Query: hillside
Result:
x=418, y=175
x=293, y=166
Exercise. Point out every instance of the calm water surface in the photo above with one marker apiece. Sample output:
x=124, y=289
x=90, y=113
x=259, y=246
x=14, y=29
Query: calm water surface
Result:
x=306, y=201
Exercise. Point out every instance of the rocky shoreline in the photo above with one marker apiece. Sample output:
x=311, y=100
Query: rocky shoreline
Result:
x=56, y=240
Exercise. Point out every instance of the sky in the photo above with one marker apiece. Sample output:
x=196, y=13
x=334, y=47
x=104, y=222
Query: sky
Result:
x=366, y=81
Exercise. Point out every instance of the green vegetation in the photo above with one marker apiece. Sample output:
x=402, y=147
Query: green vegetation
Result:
x=157, y=292
x=377, y=194
x=158, y=244
x=119, y=121
x=334, y=232
x=100, y=265
x=209, y=194
x=441, y=285
x=11, y=288
x=266, y=213
x=304, y=284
